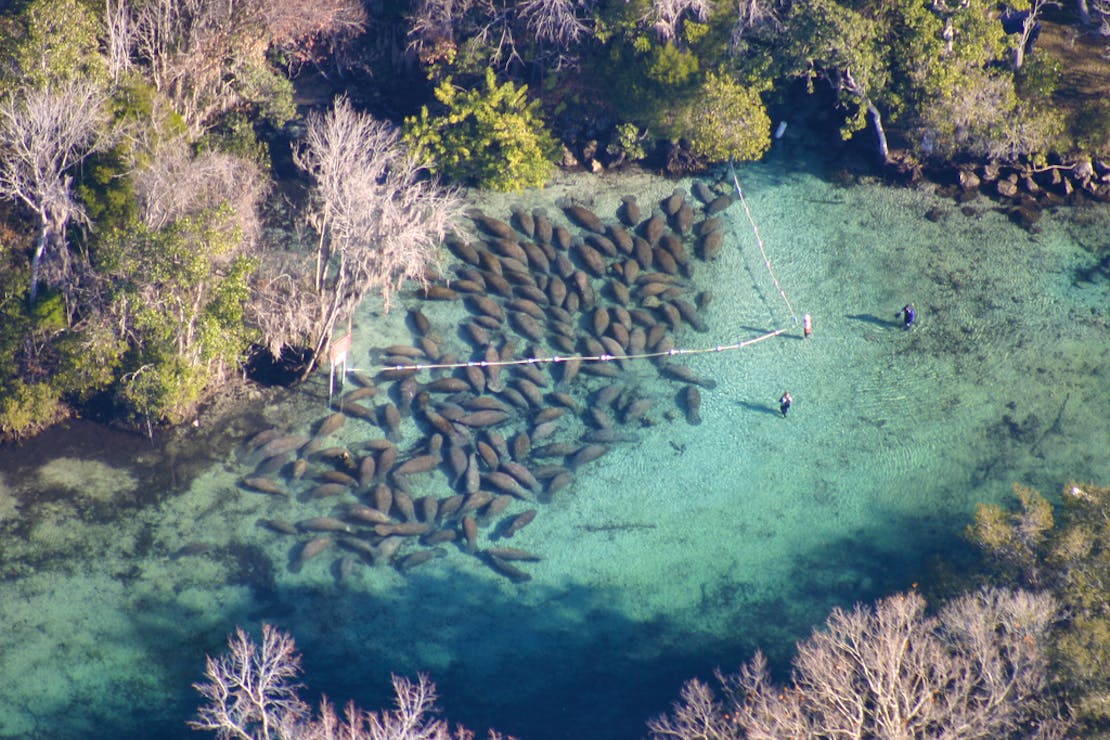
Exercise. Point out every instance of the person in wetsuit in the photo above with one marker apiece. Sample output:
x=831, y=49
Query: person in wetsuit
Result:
x=908, y=315
x=784, y=402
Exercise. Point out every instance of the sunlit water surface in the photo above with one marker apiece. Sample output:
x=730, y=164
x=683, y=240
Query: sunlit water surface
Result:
x=666, y=558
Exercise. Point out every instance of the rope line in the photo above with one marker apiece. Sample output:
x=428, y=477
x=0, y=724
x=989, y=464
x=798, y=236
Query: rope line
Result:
x=560, y=358
x=759, y=242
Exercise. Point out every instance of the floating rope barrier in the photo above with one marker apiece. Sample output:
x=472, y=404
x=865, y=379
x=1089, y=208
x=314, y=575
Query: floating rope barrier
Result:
x=759, y=242
x=570, y=358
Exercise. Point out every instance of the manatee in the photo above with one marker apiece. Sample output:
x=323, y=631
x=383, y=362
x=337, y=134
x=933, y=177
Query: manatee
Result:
x=718, y=204
x=636, y=410
x=621, y=238
x=518, y=522
x=381, y=498
x=439, y=537
x=446, y=385
x=664, y=261
x=402, y=529
x=522, y=474
x=673, y=202
x=490, y=225
x=707, y=226
x=690, y=314
x=653, y=228
x=563, y=239
x=505, y=568
x=558, y=482
x=323, y=524
x=414, y=559
x=641, y=250
x=628, y=211
x=527, y=326
x=449, y=506
x=280, y=526
x=367, y=514
x=523, y=221
x=485, y=418
x=391, y=421
x=690, y=401
x=544, y=430
x=427, y=507
x=709, y=248
x=603, y=245
x=683, y=219
x=418, y=464
x=508, y=248
x=312, y=548
x=470, y=532
x=358, y=394
x=533, y=374
x=281, y=446
x=327, y=490
x=685, y=374
x=402, y=502
x=590, y=258
x=263, y=485
x=702, y=191
x=543, y=231
x=486, y=306
x=508, y=484
x=437, y=293
x=512, y=553
x=584, y=217
x=266, y=435
x=586, y=454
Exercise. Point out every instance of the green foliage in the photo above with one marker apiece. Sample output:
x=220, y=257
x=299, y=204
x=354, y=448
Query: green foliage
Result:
x=89, y=360
x=1039, y=77
x=28, y=408
x=725, y=121
x=493, y=137
x=670, y=66
x=1071, y=557
x=52, y=41
x=234, y=133
x=270, y=93
x=628, y=142
x=180, y=291
x=1091, y=127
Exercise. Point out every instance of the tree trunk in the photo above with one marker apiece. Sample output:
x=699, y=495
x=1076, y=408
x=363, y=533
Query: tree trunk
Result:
x=880, y=132
x=1084, y=12
x=36, y=260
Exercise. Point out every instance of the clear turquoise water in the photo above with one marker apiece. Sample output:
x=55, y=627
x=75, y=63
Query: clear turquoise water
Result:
x=669, y=557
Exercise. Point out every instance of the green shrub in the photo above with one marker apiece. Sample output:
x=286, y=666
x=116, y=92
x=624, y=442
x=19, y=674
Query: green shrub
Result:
x=492, y=138
x=26, y=409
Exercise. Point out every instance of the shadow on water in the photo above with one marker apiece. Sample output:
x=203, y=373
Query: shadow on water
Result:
x=761, y=408
x=869, y=318
x=559, y=662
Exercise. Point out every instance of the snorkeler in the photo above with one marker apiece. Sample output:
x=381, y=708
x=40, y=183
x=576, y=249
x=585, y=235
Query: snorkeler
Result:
x=908, y=315
x=784, y=402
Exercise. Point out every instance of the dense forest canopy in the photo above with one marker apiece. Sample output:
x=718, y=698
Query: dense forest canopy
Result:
x=171, y=206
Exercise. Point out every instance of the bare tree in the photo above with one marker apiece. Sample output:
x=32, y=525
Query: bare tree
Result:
x=378, y=220
x=199, y=52
x=45, y=133
x=252, y=693
x=665, y=15
x=119, y=37
x=177, y=184
x=976, y=670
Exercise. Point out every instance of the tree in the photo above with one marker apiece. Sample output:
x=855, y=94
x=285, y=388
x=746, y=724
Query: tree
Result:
x=1065, y=551
x=726, y=121
x=210, y=57
x=378, y=220
x=44, y=134
x=978, y=669
x=492, y=137
x=253, y=692
x=830, y=41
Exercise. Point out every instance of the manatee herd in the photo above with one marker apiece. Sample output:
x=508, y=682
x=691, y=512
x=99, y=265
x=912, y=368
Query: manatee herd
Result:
x=526, y=405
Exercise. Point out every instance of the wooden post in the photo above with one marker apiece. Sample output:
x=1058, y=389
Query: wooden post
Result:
x=337, y=355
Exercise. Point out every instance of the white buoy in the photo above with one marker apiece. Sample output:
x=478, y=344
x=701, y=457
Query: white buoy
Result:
x=780, y=130
x=807, y=325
